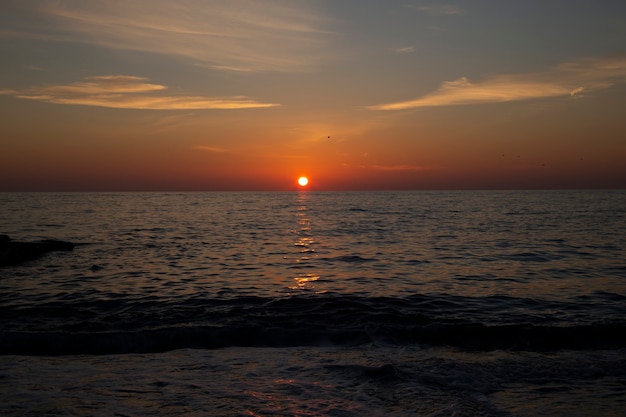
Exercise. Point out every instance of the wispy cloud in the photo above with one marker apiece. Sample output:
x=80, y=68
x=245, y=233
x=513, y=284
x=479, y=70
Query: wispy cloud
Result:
x=401, y=168
x=210, y=149
x=439, y=9
x=105, y=84
x=128, y=92
x=576, y=91
x=33, y=68
x=405, y=50
x=565, y=80
x=239, y=35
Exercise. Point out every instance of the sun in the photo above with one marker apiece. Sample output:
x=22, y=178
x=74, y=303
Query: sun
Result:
x=303, y=181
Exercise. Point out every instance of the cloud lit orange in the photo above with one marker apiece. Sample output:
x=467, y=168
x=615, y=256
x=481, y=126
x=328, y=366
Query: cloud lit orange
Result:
x=563, y=81
x=122, y=92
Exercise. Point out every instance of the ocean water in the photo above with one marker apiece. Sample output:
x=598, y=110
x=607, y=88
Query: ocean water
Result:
x=491, y=303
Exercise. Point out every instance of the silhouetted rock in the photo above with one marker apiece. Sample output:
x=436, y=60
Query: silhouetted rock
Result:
x=15, y=253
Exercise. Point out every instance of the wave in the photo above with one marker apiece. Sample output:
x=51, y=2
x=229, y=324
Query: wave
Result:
x=468, y=337
x=495, y=323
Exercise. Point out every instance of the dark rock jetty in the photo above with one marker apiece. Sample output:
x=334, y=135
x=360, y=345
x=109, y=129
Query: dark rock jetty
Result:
x=15, y=253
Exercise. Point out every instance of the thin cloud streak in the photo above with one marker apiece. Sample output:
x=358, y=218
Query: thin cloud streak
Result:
x=129, y=92
x=105, y=84
x=565, y=80
x=210, y=149
x=576, y=91
x=237, y=35
x=442, y=9
x=400, y=168
x=406, y=50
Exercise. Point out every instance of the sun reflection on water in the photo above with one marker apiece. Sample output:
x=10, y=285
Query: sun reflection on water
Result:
x=305, y=281
x=304, y=242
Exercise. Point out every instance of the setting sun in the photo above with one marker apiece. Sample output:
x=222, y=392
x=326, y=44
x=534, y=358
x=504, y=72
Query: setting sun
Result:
x=303, y=181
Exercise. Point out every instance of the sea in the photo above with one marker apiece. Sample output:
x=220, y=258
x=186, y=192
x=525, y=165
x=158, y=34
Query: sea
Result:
x=309, y=303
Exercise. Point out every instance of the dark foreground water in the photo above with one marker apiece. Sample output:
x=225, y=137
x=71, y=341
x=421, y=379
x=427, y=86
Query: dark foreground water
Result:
x=312, y=304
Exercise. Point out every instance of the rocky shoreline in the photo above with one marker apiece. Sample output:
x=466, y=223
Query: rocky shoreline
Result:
x=15, y=253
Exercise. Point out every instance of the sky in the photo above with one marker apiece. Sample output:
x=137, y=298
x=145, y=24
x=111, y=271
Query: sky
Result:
x=156, y=95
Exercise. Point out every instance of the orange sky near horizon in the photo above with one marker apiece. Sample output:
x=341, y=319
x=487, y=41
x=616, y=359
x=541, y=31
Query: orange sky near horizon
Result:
x=355, y=96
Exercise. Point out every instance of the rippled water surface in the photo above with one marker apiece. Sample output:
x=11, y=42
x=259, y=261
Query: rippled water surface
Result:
x=552, y=245
x=534, y=279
